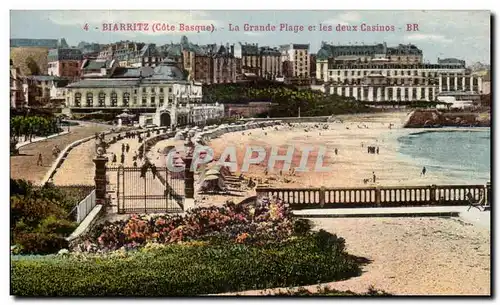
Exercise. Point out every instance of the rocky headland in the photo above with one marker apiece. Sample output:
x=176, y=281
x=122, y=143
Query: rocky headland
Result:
x=435, y=118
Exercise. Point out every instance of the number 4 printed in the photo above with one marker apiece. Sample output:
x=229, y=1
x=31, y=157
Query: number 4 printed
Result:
x=86, y=27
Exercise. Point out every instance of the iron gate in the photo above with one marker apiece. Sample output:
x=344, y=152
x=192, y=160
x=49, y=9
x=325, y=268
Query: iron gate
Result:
x=152, y=191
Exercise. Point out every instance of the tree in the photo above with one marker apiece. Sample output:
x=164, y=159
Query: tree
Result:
x=32, y=66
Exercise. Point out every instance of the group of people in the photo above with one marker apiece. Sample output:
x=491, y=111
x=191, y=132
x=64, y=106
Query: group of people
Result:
x=125, y=149
x=55, y=152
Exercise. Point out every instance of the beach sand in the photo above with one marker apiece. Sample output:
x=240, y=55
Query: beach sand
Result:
x=412, y=256
x=349, y=168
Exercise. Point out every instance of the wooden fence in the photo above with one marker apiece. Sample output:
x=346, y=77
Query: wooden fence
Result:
x=392, y=196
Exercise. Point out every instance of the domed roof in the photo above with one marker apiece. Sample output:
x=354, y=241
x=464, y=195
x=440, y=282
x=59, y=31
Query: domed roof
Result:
x=322, y=54
x=168, y=70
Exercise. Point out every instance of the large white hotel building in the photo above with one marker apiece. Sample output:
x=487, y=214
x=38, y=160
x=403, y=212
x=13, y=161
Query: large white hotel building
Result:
x=377, y=73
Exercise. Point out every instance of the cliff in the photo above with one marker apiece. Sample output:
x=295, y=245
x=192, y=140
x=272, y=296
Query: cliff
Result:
x=434, y=118
x=19, y=56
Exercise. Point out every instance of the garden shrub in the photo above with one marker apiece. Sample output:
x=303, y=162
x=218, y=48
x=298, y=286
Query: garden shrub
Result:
x=20, y=187
x=39, y=243
x=184, y=269
x=32, y=210
x=58, y=226
x=302, y=226
x=40, y=213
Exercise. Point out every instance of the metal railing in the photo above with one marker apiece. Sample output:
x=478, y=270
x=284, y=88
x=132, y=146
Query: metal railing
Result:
x=84, y=207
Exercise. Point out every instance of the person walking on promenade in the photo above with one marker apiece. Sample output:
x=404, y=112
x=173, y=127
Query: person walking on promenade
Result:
x=39, y=162
x=374, y=177
x=153, y=170
x=377, y=150
x=123, y=148
x=114, y=158
x=122, y=158
x=336, y=151
x=127, y=148
x=424, y=170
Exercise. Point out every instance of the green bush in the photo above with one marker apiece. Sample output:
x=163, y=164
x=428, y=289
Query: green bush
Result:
x=33, y=210
x=39, y=217
x=20, y=187
x=302, y=226
x=179, y=269
x=58, y=226
x=39, y=243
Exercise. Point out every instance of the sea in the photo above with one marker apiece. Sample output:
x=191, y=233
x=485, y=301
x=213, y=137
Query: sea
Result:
x=463, y=156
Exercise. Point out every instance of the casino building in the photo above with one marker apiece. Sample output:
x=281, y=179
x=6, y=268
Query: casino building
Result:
x=161, y=95
x=377, y=73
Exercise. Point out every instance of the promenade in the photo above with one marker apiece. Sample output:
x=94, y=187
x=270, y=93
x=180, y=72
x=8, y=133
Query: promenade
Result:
x=24, y=166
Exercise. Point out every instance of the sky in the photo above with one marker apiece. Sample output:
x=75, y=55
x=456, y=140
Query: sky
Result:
x=459, y=34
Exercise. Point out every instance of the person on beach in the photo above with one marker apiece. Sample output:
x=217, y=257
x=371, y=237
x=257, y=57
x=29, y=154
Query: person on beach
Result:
x=374, y=177
x=424, y=170
x=336, y=151
x=39, y=162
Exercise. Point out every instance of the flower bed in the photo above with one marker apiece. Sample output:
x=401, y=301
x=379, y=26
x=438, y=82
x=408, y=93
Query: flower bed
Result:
x=261, y=223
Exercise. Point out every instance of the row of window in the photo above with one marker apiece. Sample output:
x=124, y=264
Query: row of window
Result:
x=101, y=98
x=385, y=73
x=152, y=90
x=391, y=81
x=397, y=93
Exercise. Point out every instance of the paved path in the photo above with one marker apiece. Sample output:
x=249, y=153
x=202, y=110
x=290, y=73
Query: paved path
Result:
x=24, y=165
x=38, y=139
x=78, y=168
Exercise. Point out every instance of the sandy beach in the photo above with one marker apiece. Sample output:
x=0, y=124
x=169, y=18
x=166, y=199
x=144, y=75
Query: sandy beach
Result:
x=349, y=167
x=412, y=256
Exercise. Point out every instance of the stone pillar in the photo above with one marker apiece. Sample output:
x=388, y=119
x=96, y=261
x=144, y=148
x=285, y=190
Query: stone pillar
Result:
x=100, y=179
x=432, y=195
x=377, y=196
x=188, y=173
x=322, y=192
